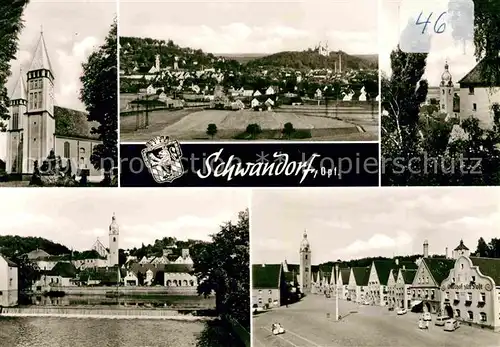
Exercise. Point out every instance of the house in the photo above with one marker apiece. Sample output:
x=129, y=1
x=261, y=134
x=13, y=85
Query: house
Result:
x=477, y=97
x=343, y=283
x=358, y=284
x=8, y=282
x=196, y=89
x=270, y=91
x=61, y=275
x=238, y=105
x=470, y=293
x=184, y=258
x=268, y=285
x=403, y=286
x=425, y=289
x=180, y=275
x=150, y=90
x=269, y=104
x=248, y=92
x=257, y=93
x=378, y=280
x=131, y=279
x=254, y=103
x=362, y=96
x=348, y=96
x=318, y=94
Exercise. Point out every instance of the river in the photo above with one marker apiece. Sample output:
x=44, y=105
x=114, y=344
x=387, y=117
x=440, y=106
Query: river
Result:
x=89, y=332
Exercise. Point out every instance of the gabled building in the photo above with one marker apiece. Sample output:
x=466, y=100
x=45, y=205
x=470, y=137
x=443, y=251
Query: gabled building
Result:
x=476, y=97
x=358, y=284
x=426, y=286
x=403, y=284
x=377, y=283
x=268, y=285
x=8, y=282
x=471, y=292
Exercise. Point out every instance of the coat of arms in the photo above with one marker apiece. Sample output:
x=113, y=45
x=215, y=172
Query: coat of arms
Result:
x=163, y=158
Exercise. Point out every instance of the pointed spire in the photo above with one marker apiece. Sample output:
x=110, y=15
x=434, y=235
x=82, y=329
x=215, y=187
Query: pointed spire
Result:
x=41, y=57
x=20, y=89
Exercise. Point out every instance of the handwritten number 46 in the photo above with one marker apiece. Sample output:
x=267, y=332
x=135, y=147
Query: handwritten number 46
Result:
x=438, y=28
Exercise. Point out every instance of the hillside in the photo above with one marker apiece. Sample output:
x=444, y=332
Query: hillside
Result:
x=140, y=53
x=245, y=58
x=11, y=246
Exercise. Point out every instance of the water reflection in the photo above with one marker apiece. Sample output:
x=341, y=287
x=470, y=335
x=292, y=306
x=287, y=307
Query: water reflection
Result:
x=60, y=332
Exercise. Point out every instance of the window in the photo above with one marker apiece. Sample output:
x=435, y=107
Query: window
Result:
x=82, y=161
x=469, y=296
x=443, y=91
x=456, y=296
x=260, y=291
x=473, y=278
x=471, y=90
x=270, y=300
x=306, y=256
x=470, y=314
x=66, y=150
x=474, y=107
x=447, y=295
x=483, y=297
x=270, y=292
x=457, y=313
x=483, y=316
x=15, y=120
x=461, y=266
x=260, y=300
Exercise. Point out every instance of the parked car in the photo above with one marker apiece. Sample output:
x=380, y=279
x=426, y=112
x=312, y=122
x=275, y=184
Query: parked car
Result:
x=391, y=308
x=427, y=317
x=451, y=325
x=402, y=312
x=440, y=320
x=366, y=303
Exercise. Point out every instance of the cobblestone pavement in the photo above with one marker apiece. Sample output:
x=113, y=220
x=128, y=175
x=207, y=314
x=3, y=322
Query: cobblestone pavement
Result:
x=307, y=325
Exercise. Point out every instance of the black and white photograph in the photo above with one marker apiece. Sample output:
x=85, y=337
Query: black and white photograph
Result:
x=58, y=93
x=133, y=268
x=375, y=267
x=240, y=70
x=441, y=108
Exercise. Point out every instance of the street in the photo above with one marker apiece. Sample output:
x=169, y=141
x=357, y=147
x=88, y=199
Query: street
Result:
x=307, y=325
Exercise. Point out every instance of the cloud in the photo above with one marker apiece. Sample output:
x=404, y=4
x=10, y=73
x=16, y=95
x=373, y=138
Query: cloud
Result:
x=271, y=244
x=376, y=242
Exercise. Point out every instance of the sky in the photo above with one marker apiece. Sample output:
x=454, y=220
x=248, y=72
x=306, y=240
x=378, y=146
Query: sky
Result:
x=255, y=26
x=443, y=48
x=353, y=223
x=72, y=30
x=76, y=218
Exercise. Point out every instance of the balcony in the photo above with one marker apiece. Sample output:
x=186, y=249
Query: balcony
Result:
x=481, y=303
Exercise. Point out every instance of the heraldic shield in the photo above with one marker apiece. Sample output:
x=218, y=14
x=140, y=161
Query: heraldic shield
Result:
x=163, y=158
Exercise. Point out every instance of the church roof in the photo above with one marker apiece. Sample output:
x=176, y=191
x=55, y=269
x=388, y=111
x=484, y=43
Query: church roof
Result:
x=19, y=92
x=73, y=123
x=41, y=57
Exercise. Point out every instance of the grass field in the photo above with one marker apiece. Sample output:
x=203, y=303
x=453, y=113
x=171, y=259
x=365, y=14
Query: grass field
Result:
x=191, y=124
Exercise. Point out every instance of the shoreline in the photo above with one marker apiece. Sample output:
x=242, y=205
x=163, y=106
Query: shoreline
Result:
x=109, y=316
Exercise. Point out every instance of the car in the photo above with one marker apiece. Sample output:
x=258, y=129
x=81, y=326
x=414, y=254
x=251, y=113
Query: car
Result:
x=277, y=329
x=366, y=303
x=451, y=325
x=441, y=320
x=402, y=312
x=427, y=317
x=391, y=308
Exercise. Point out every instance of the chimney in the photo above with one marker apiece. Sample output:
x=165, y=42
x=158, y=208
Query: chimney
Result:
x=397, y=261
x=426, y=249
x=404, y=267
x=446, y=252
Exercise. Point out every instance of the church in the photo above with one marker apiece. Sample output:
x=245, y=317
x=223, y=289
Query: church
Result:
x=37, y=126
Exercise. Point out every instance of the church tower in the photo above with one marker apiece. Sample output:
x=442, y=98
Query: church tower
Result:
x=305, y=265
x=40, y=132
x=16, y=146
x=446, y=92
x=114, y=236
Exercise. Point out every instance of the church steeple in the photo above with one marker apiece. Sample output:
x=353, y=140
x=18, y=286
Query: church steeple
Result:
x=20, y=89
x=41, y=60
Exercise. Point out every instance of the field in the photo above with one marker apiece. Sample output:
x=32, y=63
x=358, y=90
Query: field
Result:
x=341, y=123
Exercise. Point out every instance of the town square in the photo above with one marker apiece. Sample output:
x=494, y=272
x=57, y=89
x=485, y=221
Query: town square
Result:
x=401, y=284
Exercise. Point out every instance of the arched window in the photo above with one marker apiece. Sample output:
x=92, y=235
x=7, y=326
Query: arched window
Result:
x=483, y=317
x=470, y=314
x=66, y=150
x=82, y=151
x=185, y=283
x=82, y=161
x=191, y=283
x=169, y=283
x=175, y=283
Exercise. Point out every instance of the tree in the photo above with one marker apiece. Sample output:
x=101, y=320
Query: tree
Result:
x=99, y=94
x=288, y=130
x=222, y=266
x=212, y=130
x=483, y=249
x=11, y=24
x=253, y=130
x=26, y=277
